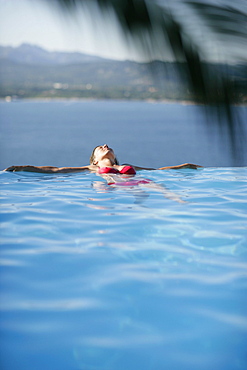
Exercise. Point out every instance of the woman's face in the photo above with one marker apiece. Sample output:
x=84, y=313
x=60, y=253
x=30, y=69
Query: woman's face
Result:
x=103, y=152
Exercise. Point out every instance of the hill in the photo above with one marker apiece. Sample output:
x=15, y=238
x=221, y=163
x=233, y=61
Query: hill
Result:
x=32, y=54
x=30, y=71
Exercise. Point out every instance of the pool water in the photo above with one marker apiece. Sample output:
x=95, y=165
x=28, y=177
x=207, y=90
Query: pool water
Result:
x=106, y=277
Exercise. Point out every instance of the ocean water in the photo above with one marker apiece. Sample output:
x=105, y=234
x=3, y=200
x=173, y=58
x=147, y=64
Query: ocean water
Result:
x=100, y=277
x=63, y=133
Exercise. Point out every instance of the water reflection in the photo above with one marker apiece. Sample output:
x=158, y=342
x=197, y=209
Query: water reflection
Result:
x=135, y=186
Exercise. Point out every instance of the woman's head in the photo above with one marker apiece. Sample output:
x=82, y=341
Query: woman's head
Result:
x=103, y=152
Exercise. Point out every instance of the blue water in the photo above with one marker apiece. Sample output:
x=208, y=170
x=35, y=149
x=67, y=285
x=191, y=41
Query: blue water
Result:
x=110, y=278
x=63, y=133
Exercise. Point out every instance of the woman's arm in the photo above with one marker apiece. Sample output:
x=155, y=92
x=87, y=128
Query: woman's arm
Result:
x=47, y=169
x=137, y=168
x=185, y=165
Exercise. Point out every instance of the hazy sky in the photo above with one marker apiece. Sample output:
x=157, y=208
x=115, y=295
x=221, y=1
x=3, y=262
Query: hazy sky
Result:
x=31, y=21
x=36, y=22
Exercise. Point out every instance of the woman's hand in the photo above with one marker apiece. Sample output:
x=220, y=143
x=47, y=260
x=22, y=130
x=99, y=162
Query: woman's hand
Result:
x=16, y=168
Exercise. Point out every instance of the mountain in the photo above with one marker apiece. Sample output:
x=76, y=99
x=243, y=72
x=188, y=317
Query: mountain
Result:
x=32, y=54
x=29, y=71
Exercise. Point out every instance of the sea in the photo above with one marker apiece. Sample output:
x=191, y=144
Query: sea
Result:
x=147, y=134
x=115, y=277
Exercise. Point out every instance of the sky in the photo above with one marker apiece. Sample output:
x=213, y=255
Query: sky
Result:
x=35, y=22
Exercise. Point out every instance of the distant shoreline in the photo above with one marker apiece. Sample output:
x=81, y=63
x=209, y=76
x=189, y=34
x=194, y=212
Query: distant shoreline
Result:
x=150, y=101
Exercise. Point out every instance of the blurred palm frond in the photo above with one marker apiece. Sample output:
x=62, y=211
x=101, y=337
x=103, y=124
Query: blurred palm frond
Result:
x=155, y=26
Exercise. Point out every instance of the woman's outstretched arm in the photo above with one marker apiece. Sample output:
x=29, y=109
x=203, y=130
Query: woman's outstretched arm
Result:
x=48, y=169
x=184, y=165
x=138, y=168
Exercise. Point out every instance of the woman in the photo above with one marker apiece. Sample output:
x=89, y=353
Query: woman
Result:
x=103, y=160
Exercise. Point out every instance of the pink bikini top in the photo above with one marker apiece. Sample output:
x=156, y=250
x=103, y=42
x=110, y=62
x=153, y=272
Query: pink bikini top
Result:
x=126, y=170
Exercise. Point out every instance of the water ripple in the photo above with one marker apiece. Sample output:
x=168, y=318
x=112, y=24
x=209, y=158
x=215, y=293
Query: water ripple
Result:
x=107, y=276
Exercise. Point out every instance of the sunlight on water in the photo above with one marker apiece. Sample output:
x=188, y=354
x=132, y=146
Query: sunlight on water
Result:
x=102, y=277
